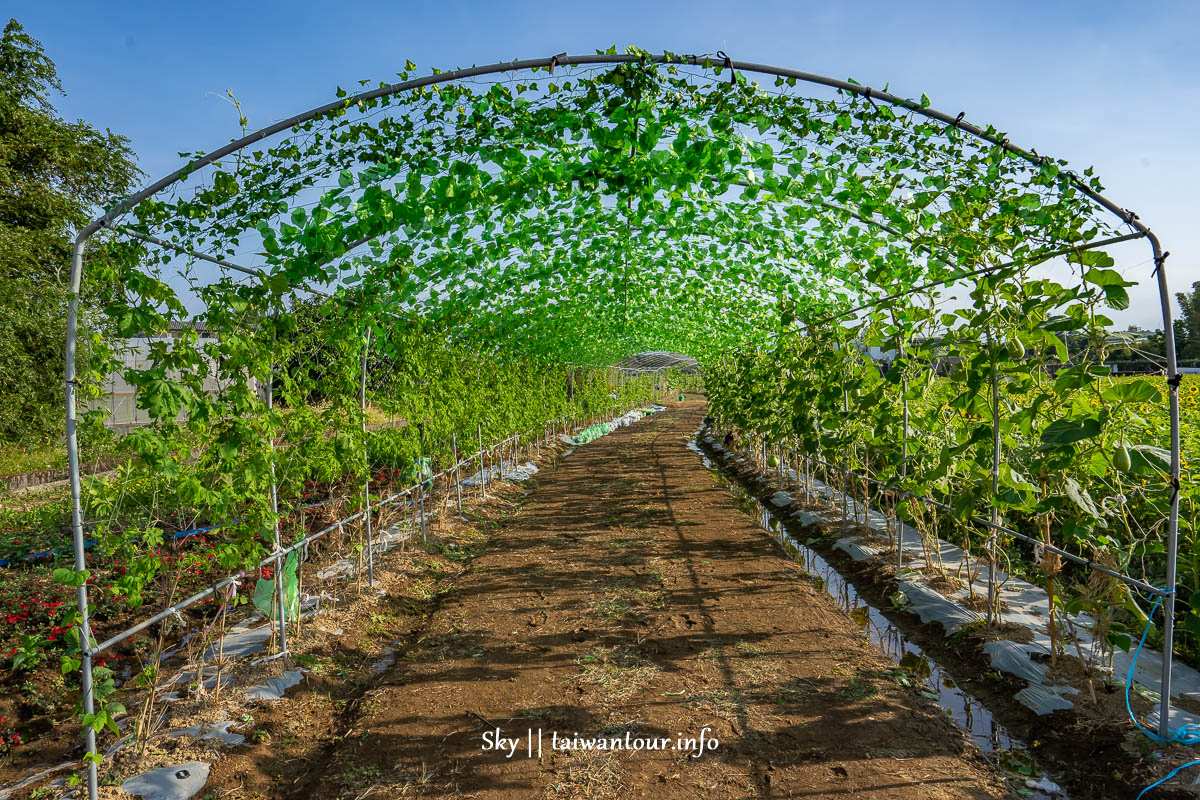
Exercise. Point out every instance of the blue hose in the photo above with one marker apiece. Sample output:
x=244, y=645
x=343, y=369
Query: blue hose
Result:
x=1168, y=777
x=1188, y=734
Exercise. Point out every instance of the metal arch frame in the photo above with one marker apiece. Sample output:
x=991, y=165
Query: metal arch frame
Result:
x=655, y=361
x=1126, y=216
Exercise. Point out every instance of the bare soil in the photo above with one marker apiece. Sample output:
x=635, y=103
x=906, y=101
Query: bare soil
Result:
x=621, y=591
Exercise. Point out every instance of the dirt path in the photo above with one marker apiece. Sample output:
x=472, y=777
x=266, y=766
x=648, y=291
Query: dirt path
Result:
x=629, y=593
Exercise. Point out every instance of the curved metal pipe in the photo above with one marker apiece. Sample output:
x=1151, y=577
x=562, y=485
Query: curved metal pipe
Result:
x=1173, y=381
x=85, y=631
x=581, y=60
x=565, y=60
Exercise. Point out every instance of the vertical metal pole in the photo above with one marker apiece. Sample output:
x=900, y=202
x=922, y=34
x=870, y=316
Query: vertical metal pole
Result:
x=903, y=444
x=421, y=495
x=993, y=583
x=482, y=462
x=845, y=475
x=412, y=504
x=1173, y=381
x=85, y=630
x=281, y=601
x=301, y=556
x=421, y=483
x=367, y=461
x=457, y=474
x=845, y=503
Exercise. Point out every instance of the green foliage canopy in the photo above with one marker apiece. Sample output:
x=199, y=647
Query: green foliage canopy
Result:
x=604, y=211
x=536, y=219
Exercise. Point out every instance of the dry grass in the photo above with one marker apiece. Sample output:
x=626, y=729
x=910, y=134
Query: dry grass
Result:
x=619, y=671
x=585, y=775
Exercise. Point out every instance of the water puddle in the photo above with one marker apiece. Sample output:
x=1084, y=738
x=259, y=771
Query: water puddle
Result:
x=704, y=459
x=913, y=667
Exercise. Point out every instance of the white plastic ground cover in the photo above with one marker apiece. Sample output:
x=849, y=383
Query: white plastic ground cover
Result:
x=1025, y=605
x=806, y=518
x=522, y=472
x=695, y=448
x=169, y=783
x=383, y=542
x=10, y=792
x=274, y=688
x=217, y=730
x=512, y=471
x=605, y=428
x=243, y=639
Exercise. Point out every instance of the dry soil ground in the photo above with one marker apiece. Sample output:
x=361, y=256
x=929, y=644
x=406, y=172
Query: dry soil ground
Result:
x=623, y=591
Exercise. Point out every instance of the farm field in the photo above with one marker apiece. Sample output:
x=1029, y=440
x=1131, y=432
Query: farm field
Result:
x=685, y=619
x=617, y=396
x=37, y=718
x=153, y=548
x=688, y=617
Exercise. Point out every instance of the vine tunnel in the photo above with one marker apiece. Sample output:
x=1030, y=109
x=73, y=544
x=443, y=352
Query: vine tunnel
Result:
x=600, y=209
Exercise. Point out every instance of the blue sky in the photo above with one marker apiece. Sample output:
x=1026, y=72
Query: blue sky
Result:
x=1111, y=85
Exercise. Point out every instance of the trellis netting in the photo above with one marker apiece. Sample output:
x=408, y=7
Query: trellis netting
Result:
x=483, y=230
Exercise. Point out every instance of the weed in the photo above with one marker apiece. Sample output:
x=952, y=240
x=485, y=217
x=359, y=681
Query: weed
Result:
x=859, y=690
x=619, y=671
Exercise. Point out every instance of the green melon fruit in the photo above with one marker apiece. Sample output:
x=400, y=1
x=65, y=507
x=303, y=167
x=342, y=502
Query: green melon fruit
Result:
x=1121, y=458
x=773, y=461
x=1016, y=349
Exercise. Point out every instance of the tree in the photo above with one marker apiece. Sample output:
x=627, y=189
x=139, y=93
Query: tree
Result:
x=54, y=174
x=1188, y=345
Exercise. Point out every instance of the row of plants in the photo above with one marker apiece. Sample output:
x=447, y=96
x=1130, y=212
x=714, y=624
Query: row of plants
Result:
x=980, y=409
x=232, y=467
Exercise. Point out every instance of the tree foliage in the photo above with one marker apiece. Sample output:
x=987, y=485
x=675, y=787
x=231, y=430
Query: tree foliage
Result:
x=1189, y=342
x=53, y=175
